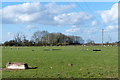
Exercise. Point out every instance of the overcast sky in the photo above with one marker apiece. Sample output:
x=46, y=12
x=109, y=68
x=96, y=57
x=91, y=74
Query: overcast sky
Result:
x=85, y=19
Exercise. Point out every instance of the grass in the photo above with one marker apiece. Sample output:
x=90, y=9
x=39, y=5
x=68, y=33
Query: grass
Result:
x=54, y=63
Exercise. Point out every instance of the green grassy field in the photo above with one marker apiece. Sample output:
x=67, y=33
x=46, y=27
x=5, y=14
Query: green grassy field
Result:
x=54, y=63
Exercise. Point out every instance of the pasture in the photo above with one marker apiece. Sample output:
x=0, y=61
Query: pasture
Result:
x=62, y=62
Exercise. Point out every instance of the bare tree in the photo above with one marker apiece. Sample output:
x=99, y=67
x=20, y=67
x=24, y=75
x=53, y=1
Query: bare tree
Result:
x=19, y=37
x=40, y=36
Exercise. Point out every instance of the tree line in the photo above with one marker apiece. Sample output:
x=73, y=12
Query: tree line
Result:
x=44, y=38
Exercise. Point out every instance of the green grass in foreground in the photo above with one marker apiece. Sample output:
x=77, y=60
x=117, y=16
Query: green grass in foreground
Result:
x=54, y=63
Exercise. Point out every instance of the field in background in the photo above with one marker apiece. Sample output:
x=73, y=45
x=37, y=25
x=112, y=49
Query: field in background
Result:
x=54, y=62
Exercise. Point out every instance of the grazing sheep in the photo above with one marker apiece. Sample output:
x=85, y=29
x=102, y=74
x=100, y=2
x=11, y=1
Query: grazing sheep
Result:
x=70, y=64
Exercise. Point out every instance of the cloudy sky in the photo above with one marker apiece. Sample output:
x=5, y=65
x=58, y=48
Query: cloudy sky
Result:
x=85, y=19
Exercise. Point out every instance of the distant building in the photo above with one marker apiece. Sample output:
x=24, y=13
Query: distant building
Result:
x=16, y=65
